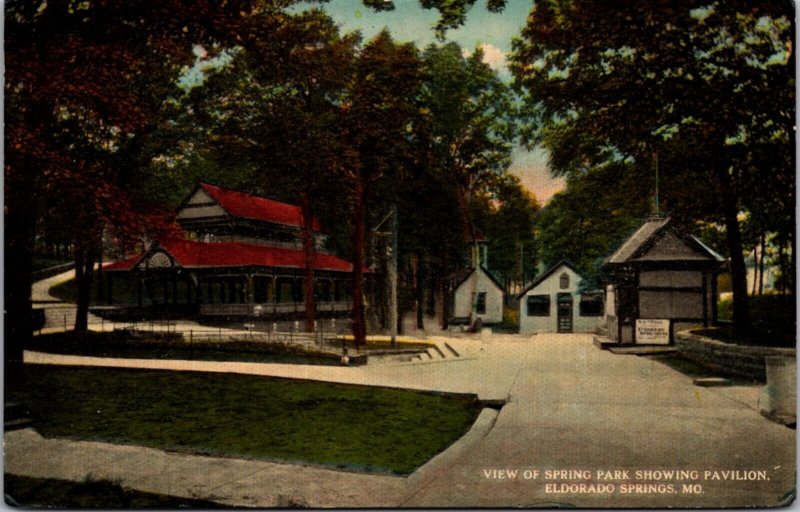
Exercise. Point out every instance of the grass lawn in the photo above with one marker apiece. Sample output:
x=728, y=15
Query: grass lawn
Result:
x=99, y=494
x=350, y=427
x=116, y=344
x=692, y=369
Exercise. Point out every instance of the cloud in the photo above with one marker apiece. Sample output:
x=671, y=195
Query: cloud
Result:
x=532, y=168
x=492, y=55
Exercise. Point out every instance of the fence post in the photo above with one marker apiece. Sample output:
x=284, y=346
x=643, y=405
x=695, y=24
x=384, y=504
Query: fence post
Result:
x=65, y=323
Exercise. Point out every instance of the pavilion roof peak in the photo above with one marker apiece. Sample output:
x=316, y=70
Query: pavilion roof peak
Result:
x=250, y=206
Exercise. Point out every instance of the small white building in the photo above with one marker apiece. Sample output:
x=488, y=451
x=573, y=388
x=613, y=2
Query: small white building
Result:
x=553, y=303
x=478, y=296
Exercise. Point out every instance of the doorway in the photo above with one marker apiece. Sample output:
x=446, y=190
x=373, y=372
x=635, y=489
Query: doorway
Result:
x=564, y=312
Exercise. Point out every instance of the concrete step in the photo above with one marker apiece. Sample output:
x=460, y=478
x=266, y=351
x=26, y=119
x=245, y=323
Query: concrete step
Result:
x=437, y=353
x=451, y=350
x=642, y=349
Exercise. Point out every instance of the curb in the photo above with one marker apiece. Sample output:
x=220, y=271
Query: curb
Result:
x=441, y=463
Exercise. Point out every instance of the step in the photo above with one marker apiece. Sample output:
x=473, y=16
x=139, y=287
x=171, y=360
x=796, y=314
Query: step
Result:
x=451, y=349
x=439, y=352
x=642, y=349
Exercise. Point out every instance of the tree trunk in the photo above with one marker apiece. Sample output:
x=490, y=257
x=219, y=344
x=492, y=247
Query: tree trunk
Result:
x=781, y=265
x=101, y=288
x=761, y=262
x=359, y=234
x=85, y=257
x=419, y=292
x=20, y=223
x=792, y=265
x=755, y=269
x=741, y=311
x=445, y=292
x=308, y=253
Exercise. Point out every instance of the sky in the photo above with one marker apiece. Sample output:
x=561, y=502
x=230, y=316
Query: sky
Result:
x=492, y=31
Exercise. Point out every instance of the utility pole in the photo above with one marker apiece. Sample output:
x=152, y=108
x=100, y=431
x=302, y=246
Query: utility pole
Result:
x=391, y=270
x=655, y=159
x=393, y=280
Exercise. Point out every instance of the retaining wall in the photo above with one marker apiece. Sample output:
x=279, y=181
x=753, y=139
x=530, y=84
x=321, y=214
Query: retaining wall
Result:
x=736, y=360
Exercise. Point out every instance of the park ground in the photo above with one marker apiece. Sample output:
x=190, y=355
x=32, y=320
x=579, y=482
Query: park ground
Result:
x=573, y=417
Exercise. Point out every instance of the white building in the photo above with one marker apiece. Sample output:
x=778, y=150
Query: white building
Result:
x=478, y=296
x=552, y=303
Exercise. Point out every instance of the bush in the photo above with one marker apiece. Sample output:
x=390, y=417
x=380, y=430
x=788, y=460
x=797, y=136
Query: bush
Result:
x=772, y=317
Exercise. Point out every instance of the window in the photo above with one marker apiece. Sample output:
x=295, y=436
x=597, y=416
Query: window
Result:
x=538, y=305
x=480, y=303
x=591, y=305
x=564, y=281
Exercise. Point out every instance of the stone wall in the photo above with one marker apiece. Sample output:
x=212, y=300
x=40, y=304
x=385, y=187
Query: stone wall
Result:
x=736, y=360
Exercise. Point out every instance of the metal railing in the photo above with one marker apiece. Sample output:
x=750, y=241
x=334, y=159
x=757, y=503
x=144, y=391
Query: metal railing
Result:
x=271, y=308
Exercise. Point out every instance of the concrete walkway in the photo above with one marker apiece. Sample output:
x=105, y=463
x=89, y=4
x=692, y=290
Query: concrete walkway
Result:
x=570, y=407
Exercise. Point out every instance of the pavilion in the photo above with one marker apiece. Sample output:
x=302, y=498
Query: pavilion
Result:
x=241, y=255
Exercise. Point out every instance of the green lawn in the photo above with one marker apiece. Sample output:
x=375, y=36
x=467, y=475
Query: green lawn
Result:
x=351, y=427
x=98, y=494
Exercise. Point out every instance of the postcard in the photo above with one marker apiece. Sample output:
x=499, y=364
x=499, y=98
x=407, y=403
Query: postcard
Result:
x=399, y=254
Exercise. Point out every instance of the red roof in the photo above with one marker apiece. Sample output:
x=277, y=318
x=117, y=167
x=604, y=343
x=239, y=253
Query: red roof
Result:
x=253, y=207
x=189, y=254
x=126, y=264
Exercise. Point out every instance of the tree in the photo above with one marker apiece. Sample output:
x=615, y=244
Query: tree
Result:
x=274, y=107
x=590, y=218
x=505, y=214
x=607, y=84
x=378, y=117
x=471, y=116
x=81, y=77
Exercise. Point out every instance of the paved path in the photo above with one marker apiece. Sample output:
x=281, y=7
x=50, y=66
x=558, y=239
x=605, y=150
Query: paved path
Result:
x=59, y=315
x=571, y=407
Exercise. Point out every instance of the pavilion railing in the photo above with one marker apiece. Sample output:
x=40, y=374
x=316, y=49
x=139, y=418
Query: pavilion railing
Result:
x=273, y=308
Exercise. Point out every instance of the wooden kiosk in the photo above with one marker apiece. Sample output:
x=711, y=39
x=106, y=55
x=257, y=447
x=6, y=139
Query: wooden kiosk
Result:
x=660, y=280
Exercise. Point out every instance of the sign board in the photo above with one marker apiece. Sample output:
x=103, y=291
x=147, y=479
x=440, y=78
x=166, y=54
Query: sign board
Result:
x=652, y=332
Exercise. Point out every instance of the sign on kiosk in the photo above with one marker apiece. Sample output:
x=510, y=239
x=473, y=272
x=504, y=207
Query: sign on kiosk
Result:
x=652, y=332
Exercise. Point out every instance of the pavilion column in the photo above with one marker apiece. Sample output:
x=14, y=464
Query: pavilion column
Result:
x=232, y=290
x=165, y=288
x=139, y=291
x=174, y=288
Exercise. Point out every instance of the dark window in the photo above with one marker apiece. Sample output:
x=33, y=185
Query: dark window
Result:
x=480, y=303
x=538, y=305
x=591, y=306
x=564, y=281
